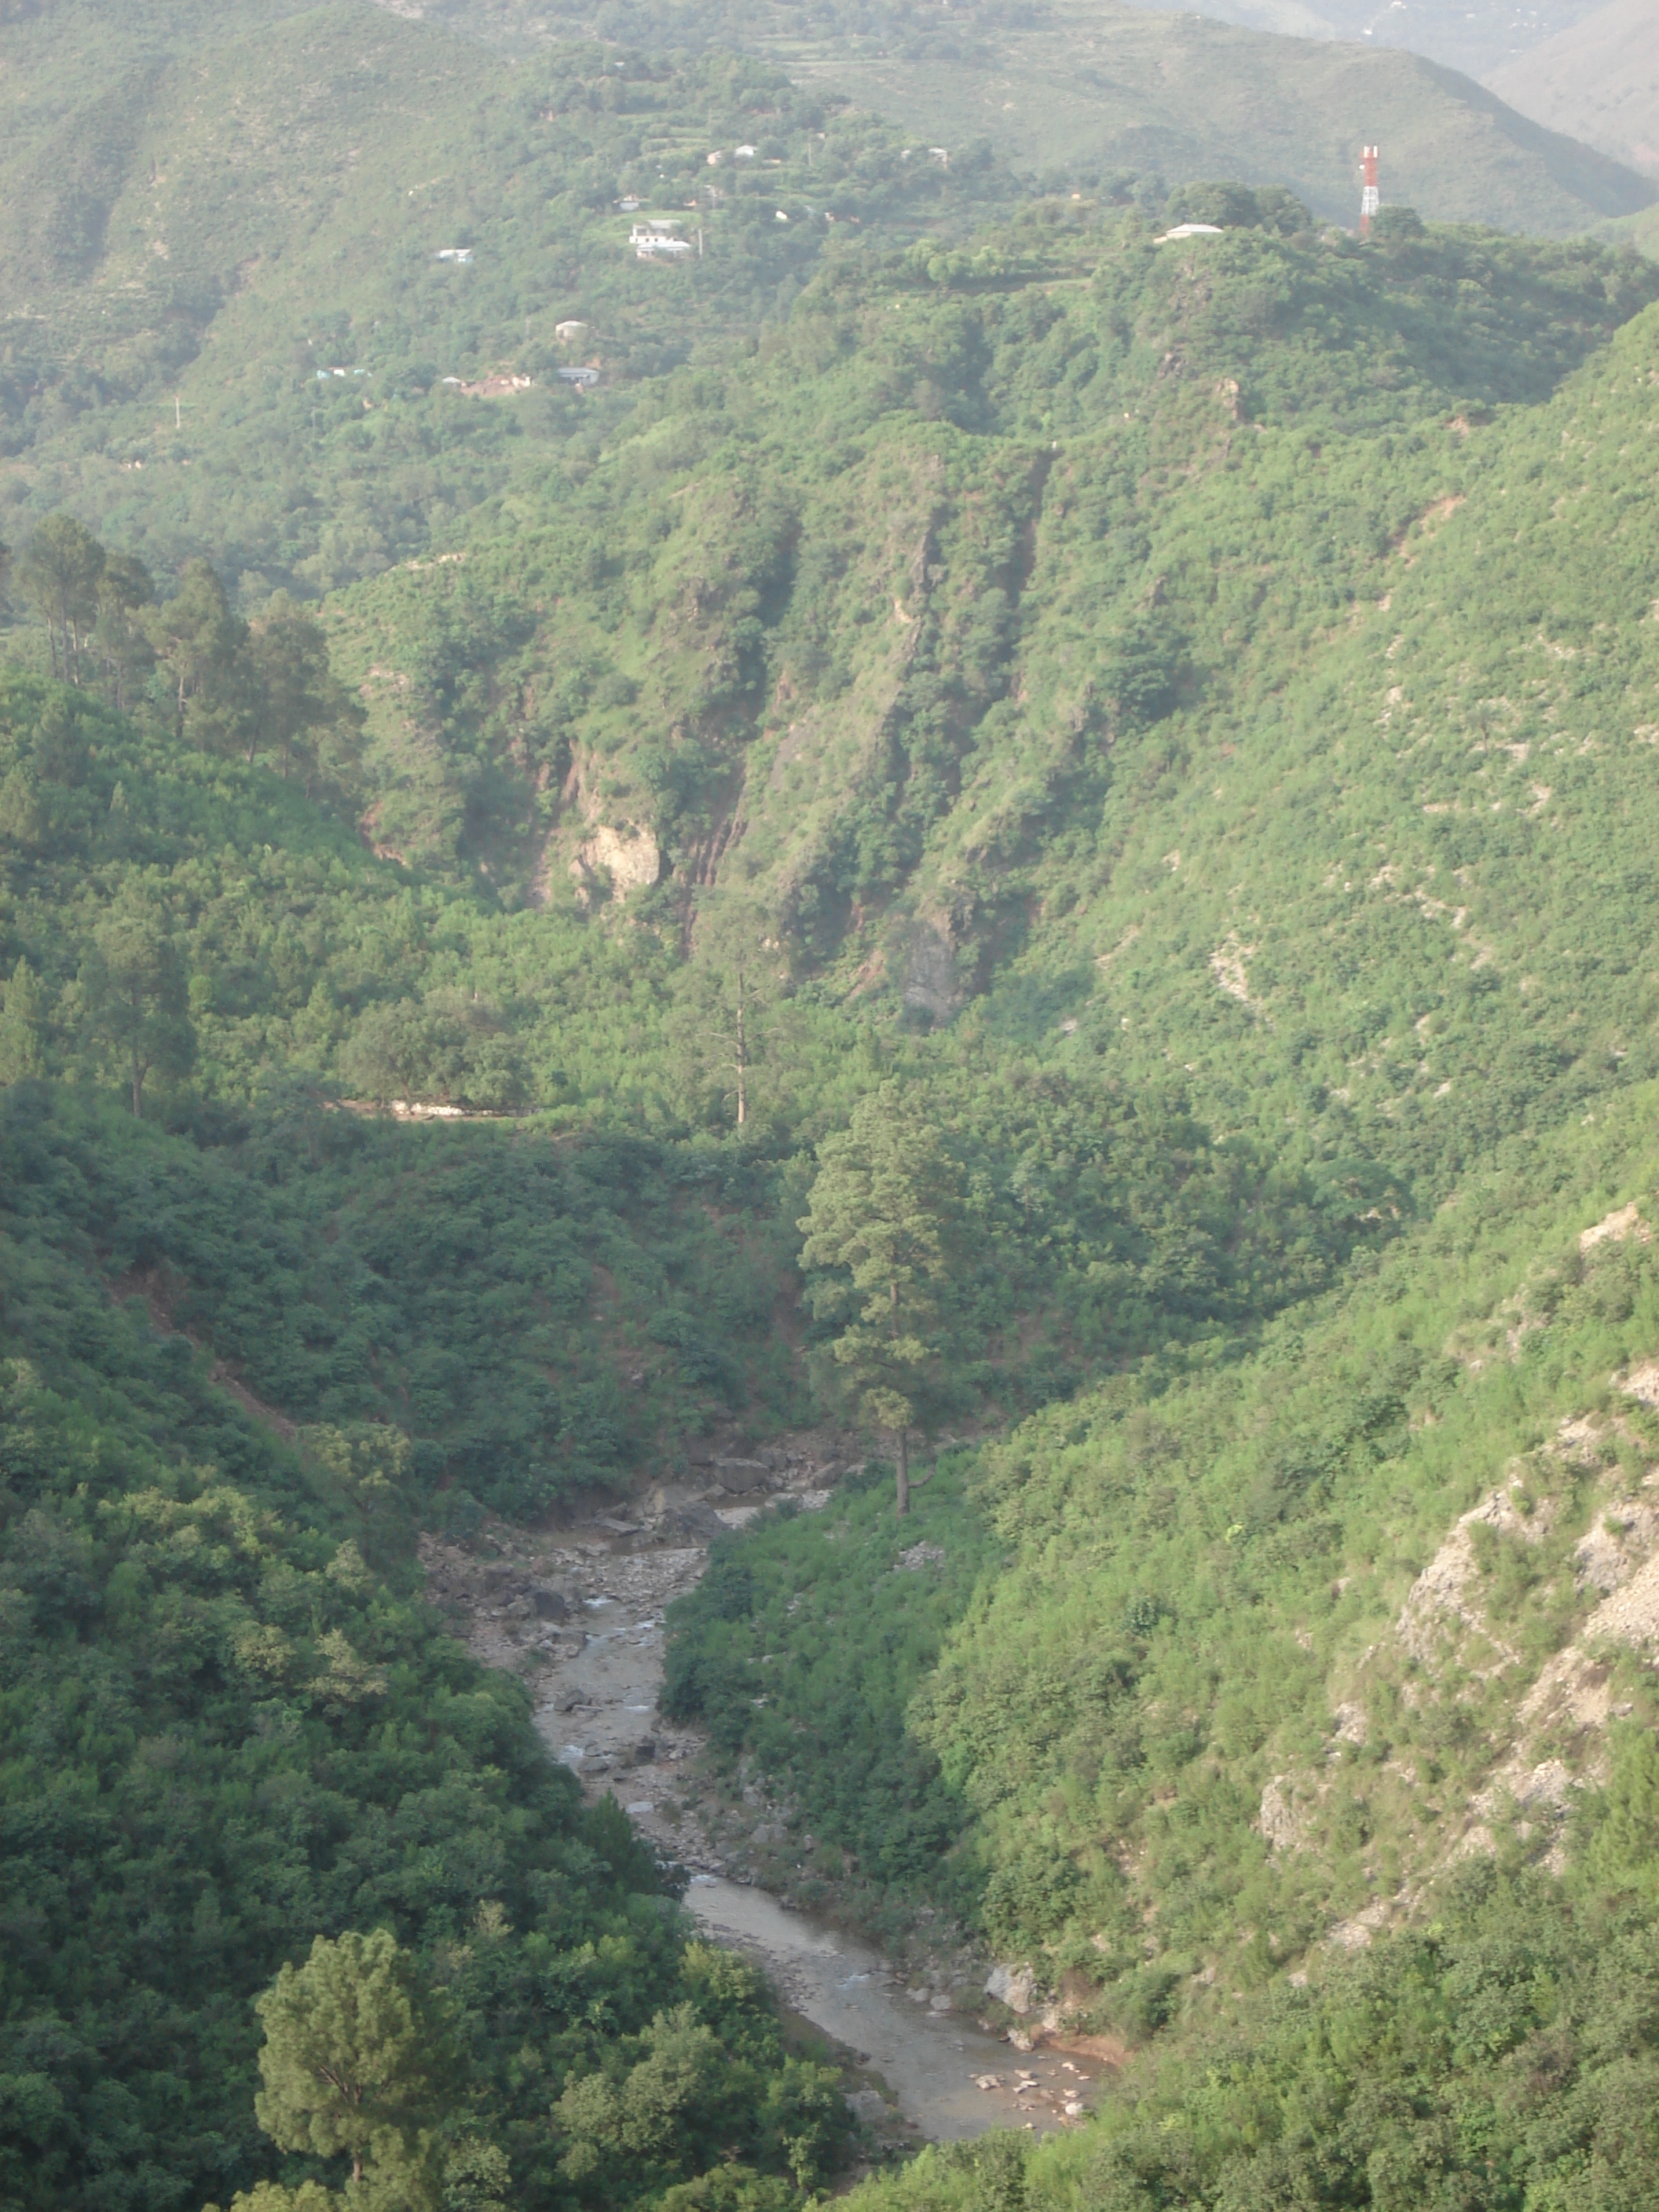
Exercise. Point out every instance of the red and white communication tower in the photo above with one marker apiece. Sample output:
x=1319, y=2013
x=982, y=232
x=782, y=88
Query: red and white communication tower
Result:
x=1369, y=199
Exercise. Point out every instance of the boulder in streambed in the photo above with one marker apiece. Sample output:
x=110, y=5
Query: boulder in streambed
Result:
x=739, y=1476
x=1014, y=1986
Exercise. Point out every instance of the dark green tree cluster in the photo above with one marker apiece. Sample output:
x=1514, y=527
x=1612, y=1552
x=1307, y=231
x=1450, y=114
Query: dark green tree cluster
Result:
x=263, y=690
x=236, y=1746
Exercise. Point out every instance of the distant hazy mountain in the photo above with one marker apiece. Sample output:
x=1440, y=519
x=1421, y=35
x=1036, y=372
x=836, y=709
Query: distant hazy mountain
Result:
x=1599, y=79
x=1479, y=39
x=1092, y=83
x=1273, y=91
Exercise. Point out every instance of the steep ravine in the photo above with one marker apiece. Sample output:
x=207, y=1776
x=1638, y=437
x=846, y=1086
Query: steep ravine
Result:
x=577, y=1613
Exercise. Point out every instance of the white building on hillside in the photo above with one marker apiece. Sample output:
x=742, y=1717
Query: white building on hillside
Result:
x=657, y=241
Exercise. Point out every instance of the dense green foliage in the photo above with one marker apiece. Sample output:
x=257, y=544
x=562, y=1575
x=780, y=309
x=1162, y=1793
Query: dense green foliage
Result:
x=1098, y=789
x=1503, y=2058
x=705, y=640
x=806, y=1643
x=539, y=1313
x=228, y=1719
x=1383, y=887
x=1151, y=1599
x=251, y=204
x=488, y=1295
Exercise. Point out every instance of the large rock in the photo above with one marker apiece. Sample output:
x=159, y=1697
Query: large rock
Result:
x=932, y=985
x=698, y=1520
x=1014, y=1986
x=739, y=1475
x=629, y=858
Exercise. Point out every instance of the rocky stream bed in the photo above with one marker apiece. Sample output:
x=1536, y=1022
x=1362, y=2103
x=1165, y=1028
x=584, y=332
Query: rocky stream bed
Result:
x=577, y=1611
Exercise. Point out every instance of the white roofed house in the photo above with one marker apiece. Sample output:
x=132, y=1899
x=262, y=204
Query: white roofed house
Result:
x=655, y=240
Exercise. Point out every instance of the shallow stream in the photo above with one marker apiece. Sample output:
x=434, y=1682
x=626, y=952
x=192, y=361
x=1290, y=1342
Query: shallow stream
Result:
x=581, y=1613
x=950, y=2079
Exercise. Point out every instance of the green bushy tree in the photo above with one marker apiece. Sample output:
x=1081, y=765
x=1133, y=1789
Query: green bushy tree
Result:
x=135, y=994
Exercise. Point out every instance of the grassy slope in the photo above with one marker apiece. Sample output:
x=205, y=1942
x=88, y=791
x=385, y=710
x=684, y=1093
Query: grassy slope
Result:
x=1161, y=1598
x=1505, y=2055
x=1198, y=1576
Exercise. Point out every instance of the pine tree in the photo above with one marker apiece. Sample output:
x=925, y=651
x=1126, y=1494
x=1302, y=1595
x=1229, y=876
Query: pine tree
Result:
x=728, y=1004
x=353, y=2053
x=877, y=1249
x=136, y=997
x=125, y=590
x=23, y=1026
x=60, y=573
x=301, y=701
x=199, y=640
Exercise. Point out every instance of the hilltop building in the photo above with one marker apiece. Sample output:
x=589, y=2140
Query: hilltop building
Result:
x=654, y=240
x=492, y=387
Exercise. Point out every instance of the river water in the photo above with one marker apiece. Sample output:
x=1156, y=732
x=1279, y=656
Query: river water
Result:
x=948, y=2078
x=595, y=1663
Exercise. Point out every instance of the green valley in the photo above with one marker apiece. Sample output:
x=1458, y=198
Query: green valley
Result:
x=1005, y=847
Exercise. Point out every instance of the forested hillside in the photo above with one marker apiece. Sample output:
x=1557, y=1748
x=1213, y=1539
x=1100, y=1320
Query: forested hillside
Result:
x=1031, y=835
x=231, y=1722
x=1072, y=90
x=235, y=213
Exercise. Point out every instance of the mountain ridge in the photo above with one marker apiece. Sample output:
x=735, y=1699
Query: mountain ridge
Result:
x=1600, y=80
